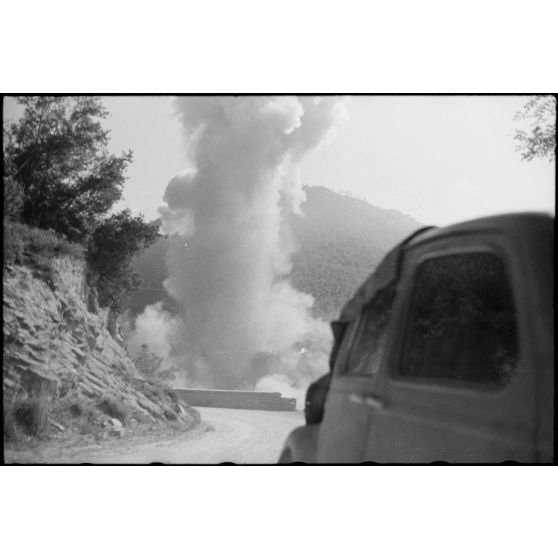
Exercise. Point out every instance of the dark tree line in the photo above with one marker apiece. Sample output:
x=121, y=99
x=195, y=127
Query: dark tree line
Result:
x=60, y=176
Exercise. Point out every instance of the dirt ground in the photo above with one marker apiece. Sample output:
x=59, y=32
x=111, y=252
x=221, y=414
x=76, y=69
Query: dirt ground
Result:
x=223, y=436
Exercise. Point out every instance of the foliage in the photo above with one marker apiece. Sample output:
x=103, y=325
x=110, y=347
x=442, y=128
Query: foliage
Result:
x=13, y=251
x=149, y=365
x=167, y=375
x=540, y=139
x=80, y=408
x=57, y=165
x=170, y=414
x=13, y=192
x=340, y=242
x=13, y=198
x=30, y=414
x=10, y=428
x=150, y=264
x=59, y=176
x=111, y=249
x=114, y=408
x=24, y=245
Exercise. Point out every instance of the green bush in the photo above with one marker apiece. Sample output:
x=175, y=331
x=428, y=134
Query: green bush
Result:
x=10, y=428
x=86, y=428
x=148, y=364
x=153, y=390
x=112, y=246
x=13, y=196
x=60, y=173
x=77, y=409
x=114, y=408
x=32, y=415
x=34, y=247
x=60, y=176
x=83, y=410
x=170, y=415
x=13, y=244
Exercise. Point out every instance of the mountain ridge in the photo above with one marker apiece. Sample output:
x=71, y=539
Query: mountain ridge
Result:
x=340, y=240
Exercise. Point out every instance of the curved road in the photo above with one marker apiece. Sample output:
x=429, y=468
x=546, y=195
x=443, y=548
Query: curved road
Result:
x=234, y=435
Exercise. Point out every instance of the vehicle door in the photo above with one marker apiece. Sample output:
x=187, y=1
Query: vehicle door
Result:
x=344, y=428
x=457, y=384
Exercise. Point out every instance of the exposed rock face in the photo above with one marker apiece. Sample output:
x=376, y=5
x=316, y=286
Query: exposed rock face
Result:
x=53, y=345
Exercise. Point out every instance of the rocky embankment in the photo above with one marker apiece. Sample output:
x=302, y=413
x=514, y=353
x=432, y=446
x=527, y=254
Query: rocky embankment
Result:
x=65, y=375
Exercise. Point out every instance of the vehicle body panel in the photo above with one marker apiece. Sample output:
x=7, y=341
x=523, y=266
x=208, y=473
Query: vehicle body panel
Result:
x=301, y=445
x=431, y=421
x=396, y=419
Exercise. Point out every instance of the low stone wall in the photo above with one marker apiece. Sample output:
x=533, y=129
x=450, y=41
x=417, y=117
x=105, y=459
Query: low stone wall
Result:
x=234, y=399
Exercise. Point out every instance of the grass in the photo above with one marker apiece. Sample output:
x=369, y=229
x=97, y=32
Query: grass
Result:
x=86, y=428
x=24, y=245
x=85, y=415
x=29, y=415
x=141, y=418
x=10, y=428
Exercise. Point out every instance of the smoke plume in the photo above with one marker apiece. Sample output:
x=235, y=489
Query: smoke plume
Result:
x=241, y=323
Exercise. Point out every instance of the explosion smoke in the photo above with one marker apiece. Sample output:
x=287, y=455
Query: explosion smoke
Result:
x=230, y=249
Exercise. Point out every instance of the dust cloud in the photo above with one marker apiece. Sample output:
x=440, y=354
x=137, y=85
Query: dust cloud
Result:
x=240, y=323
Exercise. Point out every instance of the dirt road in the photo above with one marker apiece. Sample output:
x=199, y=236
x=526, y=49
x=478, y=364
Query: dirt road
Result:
x=234, y=435
x=226, y=435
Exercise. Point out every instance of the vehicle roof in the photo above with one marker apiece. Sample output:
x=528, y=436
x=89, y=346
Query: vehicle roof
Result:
x=513, y=224
x=387, y=272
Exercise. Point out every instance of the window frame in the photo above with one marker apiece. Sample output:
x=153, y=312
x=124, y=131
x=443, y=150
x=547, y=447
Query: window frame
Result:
x=408, y=311
x=356, y=327
x=345, y=347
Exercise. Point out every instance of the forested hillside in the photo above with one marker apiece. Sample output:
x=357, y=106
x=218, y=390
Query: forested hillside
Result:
x=340, y=240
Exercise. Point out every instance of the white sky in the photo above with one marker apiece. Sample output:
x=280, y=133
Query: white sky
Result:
x=439, y=159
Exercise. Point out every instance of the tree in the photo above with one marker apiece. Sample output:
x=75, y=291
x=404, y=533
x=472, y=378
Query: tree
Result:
x=113, y=244
x=149, y=365
x=147, y=362
x=13, y=193
x=540, y=139
x=56, y=159
x=59, y=175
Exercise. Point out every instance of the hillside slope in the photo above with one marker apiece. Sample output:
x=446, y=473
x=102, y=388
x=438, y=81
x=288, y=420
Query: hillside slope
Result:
x=340, y=240
x=64, y=373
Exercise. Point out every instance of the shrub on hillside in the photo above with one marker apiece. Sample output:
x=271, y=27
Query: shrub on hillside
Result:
x=10, y=429
x=83, y=410
x=114, y=408
x=13, y=196
x=170, y=415
x=112, y=246
x=149, y=365
x=27, y=245
x=31, y=415
x=13, y=245
x=77, y=408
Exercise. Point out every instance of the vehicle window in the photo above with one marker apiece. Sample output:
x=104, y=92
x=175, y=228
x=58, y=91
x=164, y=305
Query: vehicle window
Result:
x=341, y=358
x=463, y=325
x=370, y=337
